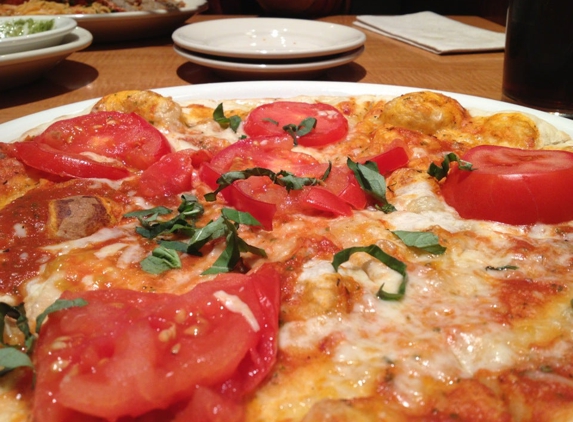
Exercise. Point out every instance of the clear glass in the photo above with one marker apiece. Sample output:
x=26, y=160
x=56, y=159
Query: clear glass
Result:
x=538, y=65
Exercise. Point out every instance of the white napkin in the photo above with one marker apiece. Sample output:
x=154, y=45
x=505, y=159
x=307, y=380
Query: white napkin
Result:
x=434, y=32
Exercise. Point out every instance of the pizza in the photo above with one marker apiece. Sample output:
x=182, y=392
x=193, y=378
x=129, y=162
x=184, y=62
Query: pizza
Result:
x=314, y=258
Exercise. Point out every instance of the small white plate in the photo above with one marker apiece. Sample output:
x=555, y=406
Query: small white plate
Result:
x=268, y=38
x=18, y=69
x=277, y=70
x=54, y=36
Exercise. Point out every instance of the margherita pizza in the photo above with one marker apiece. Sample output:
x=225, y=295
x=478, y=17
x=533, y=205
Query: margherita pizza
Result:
x=305, y=259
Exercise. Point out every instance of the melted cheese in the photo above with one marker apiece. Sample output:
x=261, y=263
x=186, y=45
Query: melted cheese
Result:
x=235, y=304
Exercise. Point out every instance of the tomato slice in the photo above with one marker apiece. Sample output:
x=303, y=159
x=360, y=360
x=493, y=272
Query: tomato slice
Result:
x=123, y=136
x=257, y=196
x=47, y=159
x=128, y=353
x=209, y=406
x=269, y=120
x=342, y=182
x=324, y=200
x=172, y=174
x=265, y=200
x=274, y=153
x=512, y=186
x=390, y=160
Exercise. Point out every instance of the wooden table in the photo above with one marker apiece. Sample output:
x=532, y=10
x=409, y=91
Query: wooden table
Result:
x=105, y=68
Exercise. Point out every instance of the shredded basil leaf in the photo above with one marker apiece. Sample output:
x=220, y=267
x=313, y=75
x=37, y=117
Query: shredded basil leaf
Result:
x=230, y=257
x=273, y=121
x=12, y=358
x=166, y=256
x=151, y=226
x=372, y=182
x=283, y=178
x=303, y=128
x=161, y=260
x=380, y=255
x=58, y=305
x=504, y=268
x=439, y=172
x=15, y=356
x=426, y=241
x=219, y=116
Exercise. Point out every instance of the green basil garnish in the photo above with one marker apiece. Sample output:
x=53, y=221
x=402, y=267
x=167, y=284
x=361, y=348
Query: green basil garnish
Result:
x=283, y=178
x=380, y=255
x=304, y=128
x=16, y=356
x=219, y=116
x=439, y=172
x=372, y=182
x=504, y=268
x=166, y=255
x=426, y=241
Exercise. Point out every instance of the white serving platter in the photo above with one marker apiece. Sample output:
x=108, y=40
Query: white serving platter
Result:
x=13, y=129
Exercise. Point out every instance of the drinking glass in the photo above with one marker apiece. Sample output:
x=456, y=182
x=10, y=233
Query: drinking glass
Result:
x=538, y=65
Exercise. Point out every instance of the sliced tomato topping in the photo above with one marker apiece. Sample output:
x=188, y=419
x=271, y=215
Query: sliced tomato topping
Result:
x=390, y=160
x=342, y=183
x=172, y=174
x=274, y=153
x=209, y=406
x=513, y=186
x=128, y=353
x=257, y=196
x=47, y=159
x=123, y=136
x=270, y=120
x=324, y=200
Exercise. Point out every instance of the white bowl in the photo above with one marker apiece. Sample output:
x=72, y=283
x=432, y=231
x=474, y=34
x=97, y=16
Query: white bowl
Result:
x=49, y=38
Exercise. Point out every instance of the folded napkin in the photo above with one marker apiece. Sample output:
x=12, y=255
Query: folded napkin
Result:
x=434, y=32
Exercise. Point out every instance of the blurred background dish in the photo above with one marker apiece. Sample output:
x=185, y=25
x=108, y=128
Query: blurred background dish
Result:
x=123, y=26
x=17, y=69
x=268, y=38
x=126, y=20
x=23, y=33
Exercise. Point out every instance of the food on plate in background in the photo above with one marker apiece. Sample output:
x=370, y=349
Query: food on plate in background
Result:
x=46, y=7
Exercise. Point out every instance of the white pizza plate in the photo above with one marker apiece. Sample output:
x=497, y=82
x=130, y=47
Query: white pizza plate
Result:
x=270, y=70
x=17, y=69
x=124, y=26
x=12, y=130
x=51, y=37
x=267, y=38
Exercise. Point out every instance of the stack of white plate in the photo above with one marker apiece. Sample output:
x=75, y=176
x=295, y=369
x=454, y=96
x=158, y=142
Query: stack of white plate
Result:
x=269, y=48
x=25, y=56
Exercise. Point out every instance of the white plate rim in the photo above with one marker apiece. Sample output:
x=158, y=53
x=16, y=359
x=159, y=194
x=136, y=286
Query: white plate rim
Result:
x=84, y=40
x=13, y=129
x=262, y=68
x=236, y=27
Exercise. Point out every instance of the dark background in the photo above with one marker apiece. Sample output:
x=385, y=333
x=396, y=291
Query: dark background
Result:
x=494, y=10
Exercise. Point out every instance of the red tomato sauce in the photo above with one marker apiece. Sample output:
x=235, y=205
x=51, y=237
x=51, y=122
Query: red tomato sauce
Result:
x=22, y=255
